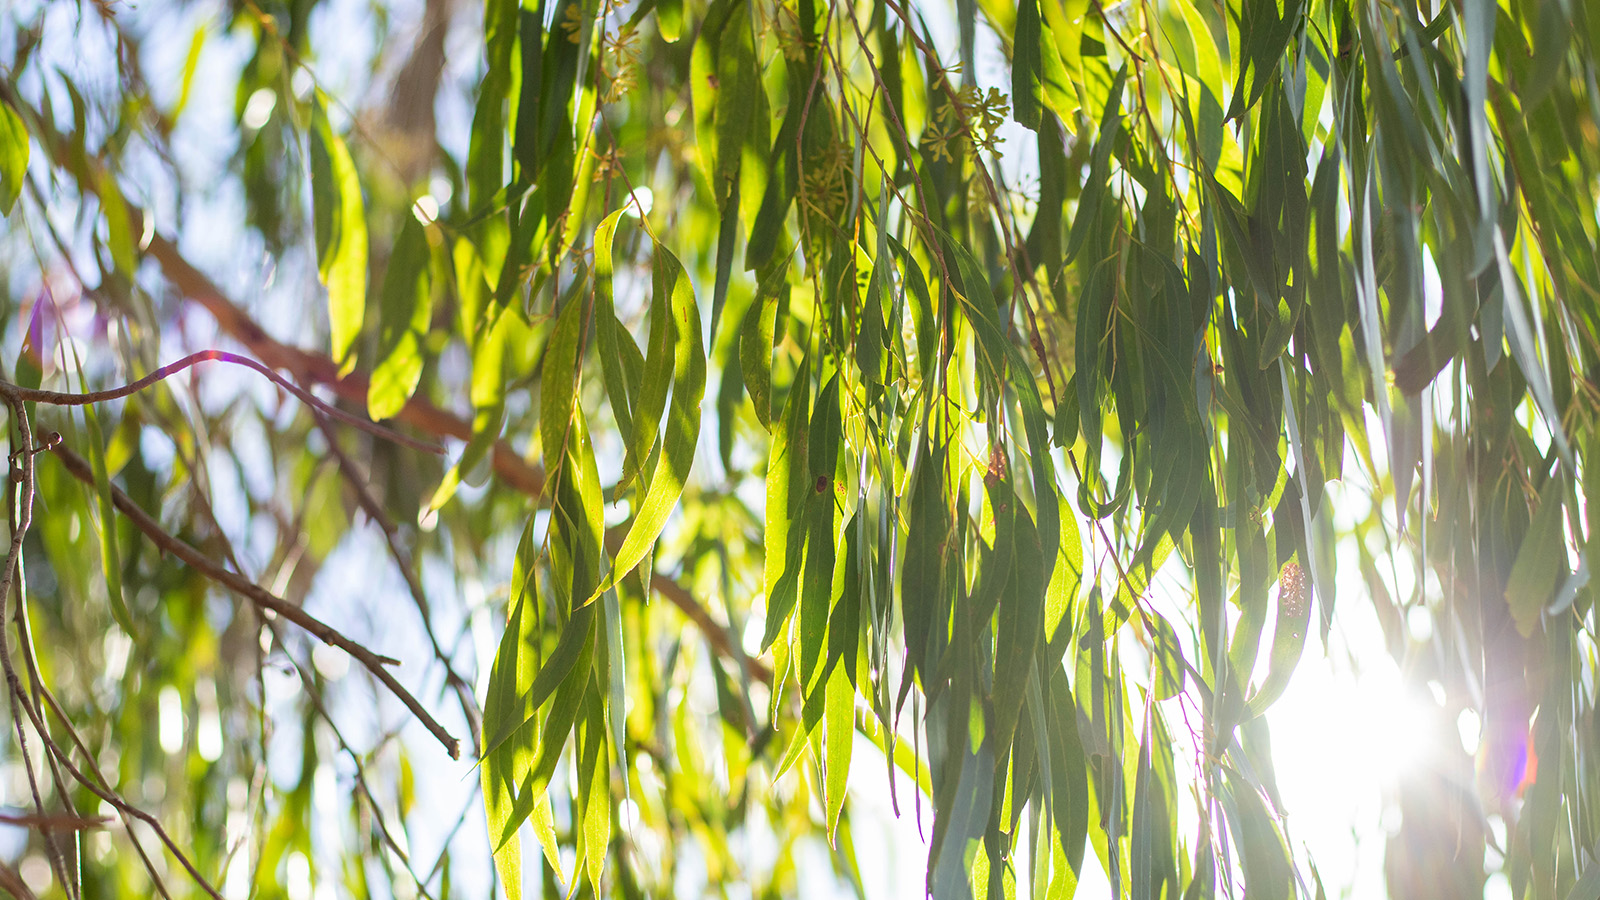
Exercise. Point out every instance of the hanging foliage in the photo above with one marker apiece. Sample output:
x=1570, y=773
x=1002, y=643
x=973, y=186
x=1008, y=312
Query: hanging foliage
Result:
x=1022, y=389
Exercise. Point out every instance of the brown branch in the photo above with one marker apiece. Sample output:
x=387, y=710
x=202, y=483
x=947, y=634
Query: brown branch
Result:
x=715, y=633
x=13, y=884
x=408, y=571
x=22, y=473
x=53, y=822
x=314, y=368
x=374, y=663
x=21, y=479
x=58, y=398
x=418, y=413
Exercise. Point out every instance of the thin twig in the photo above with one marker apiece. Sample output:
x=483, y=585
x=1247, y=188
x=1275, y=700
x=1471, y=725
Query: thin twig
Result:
x=374, y=663
x=53, y=822
x=407, y=566
x=58, y=398
x=21, y=478
x=315, y=696
x=509, y=466
x=24, y=475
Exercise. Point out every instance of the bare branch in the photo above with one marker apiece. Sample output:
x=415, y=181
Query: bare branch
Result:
x=408, y=570
x=374, y=663
x=312, y=368
x=57, y=398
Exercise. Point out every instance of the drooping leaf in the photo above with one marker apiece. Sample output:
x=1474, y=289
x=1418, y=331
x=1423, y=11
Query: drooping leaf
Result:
x=341, y=234
x=13, y=157
x=1541, y=560
x=683, y=425
x=405, y=314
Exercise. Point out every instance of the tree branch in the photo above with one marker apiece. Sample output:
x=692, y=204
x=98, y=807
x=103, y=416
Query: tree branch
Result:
x=408, y=571
x=58, y=398
x=418, y=413
x=374, y=663
x=313, y=368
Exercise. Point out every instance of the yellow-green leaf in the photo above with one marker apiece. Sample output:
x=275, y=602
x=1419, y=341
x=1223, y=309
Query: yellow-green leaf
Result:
x=405, y=310
x=13, y=157
x=341, y=235
x=683, y=423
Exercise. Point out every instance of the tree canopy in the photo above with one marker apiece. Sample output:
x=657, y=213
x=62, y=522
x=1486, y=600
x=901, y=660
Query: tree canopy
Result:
x=660, y=406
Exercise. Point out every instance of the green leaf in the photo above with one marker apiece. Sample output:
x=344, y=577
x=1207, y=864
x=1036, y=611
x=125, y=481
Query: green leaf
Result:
x=575, y=645
x=594, y=792
x=1018, y=630
x=1265, y=30
x=13, y=157
x=1069, y=802
x=739, y=97
x=816, y=581
x=1094, y=329
x=660, y=364
x=979, y=305
x=406, y=313
x=1066, y=579
x=846, y=619
x=1288, y=635
x=191, y=64
x=110, y=555
x=1541, y=560
x=617, y=684
x=755, y=354
x=488, y=402
x=669, y=19
x=1144, y=841
x=341, y=234
x=609, y=333
x=1026, y=64
x=506, y=767
x=119, y=225
x=1520, y=335
x=562, y=712
x=1207, y=62
x=1169, y=666
x=784, y=538
x=558, y=382
x=525, y=137
x=683, y=426
x=923, y=587
x=839, y=738
x=950, y=859
x=1098, y=184
x=1266, y=864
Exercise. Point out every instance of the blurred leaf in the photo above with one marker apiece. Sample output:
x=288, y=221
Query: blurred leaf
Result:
x=406, y=313
x=119, y=224
x=755, y=355
x=1026, y=65
x=13, y=157
x=110, y=555
x=341, y=234
x=1541, y=560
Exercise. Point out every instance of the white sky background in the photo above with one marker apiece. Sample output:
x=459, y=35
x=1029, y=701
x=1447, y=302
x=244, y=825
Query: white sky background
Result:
x=1339, y=735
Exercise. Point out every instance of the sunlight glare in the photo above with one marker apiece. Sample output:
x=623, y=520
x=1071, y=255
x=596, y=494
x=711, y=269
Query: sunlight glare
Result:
x=1341, y=740
x=640, y=202
x=1369, y=729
